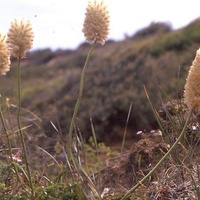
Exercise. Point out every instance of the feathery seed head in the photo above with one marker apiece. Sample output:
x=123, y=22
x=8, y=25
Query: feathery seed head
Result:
x=20, y=37
x=96, y=23
x=4, y=55
x=192, y=86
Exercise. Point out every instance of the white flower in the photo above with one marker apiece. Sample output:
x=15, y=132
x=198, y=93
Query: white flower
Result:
x=20, y=37
x=4, y=55
x=96, y=24
x=192, y=86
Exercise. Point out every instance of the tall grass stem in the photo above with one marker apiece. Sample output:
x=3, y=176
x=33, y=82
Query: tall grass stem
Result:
x=7, y=133
x=76, y=108
x=20, y=128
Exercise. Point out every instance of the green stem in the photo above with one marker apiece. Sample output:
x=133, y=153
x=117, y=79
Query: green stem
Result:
x=7, y=134
x=20, y=127
x=127, y=195
x=79, y=96
x=76, y=165
x=9, y=145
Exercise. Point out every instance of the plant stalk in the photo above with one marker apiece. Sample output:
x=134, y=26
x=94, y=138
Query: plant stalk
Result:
x=7, y=134
x=79, y=96
x=20, y=127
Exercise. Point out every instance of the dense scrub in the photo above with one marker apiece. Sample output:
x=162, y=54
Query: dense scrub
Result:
x=157, y=57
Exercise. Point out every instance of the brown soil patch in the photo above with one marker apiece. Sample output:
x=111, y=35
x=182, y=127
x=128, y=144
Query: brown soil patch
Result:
x=176, y=178
x=123, y=172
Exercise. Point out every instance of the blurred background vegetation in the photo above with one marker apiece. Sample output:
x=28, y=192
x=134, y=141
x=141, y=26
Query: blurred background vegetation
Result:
x=156, y=56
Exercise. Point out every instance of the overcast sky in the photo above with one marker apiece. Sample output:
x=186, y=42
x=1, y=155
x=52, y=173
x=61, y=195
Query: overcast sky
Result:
x=58, y=23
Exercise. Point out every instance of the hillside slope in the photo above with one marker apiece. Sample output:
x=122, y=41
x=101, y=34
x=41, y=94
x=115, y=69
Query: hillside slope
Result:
x=156, y=56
